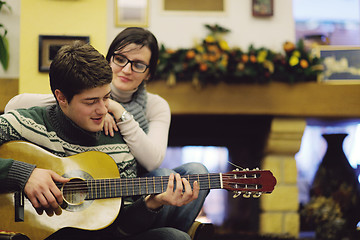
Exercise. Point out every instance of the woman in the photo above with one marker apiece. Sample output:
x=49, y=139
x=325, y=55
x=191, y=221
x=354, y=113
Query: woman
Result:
x=146, y=133
x=145, y=119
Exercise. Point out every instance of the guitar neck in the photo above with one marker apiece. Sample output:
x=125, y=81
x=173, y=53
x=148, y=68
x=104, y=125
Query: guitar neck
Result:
x=240, y=182
x=122, y=187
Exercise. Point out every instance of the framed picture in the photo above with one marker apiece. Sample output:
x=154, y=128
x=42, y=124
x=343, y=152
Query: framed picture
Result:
x=132, y=13
x=262, y=8
x=194, y=5
x=49, y=46
x=341, y=64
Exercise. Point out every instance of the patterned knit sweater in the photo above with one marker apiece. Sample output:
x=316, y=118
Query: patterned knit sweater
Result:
x=50, y=129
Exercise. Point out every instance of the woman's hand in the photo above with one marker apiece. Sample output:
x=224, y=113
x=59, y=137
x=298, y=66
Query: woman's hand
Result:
x=116, y=109
x=110, y=125
x=182, y=195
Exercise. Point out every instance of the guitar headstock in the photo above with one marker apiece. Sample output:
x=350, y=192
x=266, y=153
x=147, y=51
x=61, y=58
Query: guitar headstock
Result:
x=249, y=182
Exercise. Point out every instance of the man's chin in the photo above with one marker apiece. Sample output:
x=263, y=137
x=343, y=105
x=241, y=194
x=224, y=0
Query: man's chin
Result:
x=95, y=128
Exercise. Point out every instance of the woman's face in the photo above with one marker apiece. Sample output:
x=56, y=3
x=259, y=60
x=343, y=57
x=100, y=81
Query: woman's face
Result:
x=125, y=78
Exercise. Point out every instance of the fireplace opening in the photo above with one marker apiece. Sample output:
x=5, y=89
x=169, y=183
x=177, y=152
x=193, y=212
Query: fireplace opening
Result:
x=216, y=140
x=215, y=159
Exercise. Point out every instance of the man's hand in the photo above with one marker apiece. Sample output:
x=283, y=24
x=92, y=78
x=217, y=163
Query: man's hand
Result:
x=182, y=195
x=42, y=191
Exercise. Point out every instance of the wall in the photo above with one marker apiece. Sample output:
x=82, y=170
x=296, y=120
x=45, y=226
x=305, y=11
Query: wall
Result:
x=181, y=29
x=89, y=17
x=56, y=17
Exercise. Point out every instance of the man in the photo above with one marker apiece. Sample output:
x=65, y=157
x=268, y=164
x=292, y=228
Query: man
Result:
x=80, y=80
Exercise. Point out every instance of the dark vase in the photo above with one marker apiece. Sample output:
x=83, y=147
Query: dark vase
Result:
x=336, y=180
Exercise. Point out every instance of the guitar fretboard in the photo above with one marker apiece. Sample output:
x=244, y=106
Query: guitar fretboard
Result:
x=121, y=187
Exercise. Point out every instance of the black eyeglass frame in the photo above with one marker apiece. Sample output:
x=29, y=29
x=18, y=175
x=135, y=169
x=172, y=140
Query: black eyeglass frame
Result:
x=128, y=61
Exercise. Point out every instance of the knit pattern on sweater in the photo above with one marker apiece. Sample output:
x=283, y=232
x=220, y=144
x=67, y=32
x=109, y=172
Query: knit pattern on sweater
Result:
x=39, y=126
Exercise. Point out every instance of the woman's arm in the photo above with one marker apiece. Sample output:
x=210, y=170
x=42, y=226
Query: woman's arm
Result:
x=149, y=149
x=27, y=100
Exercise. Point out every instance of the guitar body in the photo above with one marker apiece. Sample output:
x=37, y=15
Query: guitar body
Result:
x=87, y=214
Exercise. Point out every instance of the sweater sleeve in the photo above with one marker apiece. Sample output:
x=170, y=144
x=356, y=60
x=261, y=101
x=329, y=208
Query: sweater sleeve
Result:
x=149, y=149
x=27, y=100
x=14, y=174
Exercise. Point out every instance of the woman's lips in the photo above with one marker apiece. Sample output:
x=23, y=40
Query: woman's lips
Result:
x=124, y=79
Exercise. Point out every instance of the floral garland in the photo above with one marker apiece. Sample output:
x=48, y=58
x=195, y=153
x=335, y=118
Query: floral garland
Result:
x=213, y=61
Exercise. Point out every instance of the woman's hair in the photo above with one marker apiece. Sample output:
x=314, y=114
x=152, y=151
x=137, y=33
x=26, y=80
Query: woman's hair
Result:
x=140, y=37
x=78, y=67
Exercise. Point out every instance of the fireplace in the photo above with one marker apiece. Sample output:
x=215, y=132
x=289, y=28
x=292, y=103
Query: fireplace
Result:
x=245, y=138
x=262, y=126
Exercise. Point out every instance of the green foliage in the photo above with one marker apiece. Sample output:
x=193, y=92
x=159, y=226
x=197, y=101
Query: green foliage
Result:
x=326, y=215
x=4, y=43
x=212, y=61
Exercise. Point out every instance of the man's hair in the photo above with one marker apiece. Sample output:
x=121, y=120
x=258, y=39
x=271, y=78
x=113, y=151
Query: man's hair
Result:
x=78, y=67
x=140, y=37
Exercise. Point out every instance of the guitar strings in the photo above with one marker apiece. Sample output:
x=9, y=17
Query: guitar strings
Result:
x=161, y=178
x=153, y=182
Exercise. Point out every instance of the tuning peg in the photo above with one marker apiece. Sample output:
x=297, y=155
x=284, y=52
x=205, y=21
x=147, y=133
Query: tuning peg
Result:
x=247, y=195
x=257, y=195
x=236, y=194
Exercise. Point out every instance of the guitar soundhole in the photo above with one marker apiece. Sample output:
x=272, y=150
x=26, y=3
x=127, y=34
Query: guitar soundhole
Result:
x=75, y=191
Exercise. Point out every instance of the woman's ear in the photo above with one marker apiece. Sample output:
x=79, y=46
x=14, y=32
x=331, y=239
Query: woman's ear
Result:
x=147, y=77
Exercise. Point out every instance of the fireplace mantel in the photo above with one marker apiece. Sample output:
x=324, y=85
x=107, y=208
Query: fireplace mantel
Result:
x=277, y=99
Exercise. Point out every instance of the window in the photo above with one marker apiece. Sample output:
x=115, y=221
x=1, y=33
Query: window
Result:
x=338, y=20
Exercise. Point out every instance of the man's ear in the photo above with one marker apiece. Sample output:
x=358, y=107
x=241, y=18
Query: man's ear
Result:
x=60, y=97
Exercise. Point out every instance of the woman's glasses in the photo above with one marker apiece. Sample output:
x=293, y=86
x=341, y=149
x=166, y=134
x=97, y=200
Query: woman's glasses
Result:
x=122, y=61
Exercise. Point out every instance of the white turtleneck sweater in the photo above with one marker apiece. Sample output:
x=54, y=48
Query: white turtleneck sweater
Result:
x=148, y=149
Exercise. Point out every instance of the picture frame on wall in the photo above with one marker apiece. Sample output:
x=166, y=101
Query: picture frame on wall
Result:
x=206, y=6
x=49, y=46
x=341, y=64
x=262, y=8
x=132, y=13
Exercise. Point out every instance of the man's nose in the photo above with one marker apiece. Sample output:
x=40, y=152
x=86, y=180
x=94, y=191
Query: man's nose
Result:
x=102, y=108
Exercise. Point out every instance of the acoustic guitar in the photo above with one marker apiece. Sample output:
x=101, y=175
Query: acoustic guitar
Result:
x=93, y=195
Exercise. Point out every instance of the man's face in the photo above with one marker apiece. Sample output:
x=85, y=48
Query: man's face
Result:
x=87, y=109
